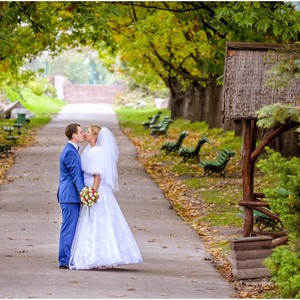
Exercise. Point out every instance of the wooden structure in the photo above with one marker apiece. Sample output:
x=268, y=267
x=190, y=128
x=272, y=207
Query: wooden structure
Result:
x=248, y=255
x=245, y=92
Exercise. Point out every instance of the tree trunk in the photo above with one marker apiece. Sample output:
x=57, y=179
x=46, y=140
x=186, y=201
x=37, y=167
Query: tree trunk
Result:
x=287, y=144
x=248, y=172
x=204, y=104
x=198, y=103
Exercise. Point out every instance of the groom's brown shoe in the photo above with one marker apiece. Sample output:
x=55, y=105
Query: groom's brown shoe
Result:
x=64, y=267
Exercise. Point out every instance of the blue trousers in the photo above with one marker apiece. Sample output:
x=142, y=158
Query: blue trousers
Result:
x=70, y=214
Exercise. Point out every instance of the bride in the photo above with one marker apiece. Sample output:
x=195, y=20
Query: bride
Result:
x=103, y=238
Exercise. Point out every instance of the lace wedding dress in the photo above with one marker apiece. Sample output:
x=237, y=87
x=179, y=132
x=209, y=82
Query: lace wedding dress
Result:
x=103, y=237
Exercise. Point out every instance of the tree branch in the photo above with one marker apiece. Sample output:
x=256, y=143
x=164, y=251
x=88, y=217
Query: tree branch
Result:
x=133, y=10
x=181, y=71
x=269, y=136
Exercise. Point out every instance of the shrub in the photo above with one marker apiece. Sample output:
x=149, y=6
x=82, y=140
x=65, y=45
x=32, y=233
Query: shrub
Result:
x=284, y=263
x=42, y=86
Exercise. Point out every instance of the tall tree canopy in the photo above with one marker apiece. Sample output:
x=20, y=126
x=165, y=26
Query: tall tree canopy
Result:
x=180, y=43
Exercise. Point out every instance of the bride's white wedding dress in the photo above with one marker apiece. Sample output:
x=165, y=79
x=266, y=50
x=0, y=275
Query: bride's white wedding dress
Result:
x=103, y=237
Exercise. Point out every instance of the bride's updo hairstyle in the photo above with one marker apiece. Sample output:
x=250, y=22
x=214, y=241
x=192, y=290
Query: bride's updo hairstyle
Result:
x=94, y=130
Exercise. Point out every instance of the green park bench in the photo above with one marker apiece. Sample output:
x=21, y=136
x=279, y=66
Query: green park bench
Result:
x=18, y=125
x=162, y=122
x=218, y=165
x=174, y=146
x=162, y=128
x=5, y=149
x=266, y=223
x=263, y=222
x=192, y=153
x=10, y=137
x=153, y=120
x=8, y=129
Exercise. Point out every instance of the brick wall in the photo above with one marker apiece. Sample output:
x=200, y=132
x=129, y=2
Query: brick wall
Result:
x=83, y=93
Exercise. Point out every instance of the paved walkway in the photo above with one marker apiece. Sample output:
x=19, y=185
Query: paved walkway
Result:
x=175, y=262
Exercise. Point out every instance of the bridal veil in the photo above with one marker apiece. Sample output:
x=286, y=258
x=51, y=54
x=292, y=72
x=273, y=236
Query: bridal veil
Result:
x=109, y=149
x=102, y=159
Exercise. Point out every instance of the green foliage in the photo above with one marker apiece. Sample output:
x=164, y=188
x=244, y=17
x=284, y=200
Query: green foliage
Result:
x=186, y=40
x=16, y=79
x=36, y=88
x=11, y=94
x=28, y=28
x=273, y=21
x=155, y=41
x=284, y=199
x=285, y=72
x=40, y=105
x=42, y=86
x=80, y=66
x=285, y=267
x=275, y=114
x=43, y=108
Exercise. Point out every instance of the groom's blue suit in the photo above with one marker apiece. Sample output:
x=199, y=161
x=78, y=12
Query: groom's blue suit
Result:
x=71, y=182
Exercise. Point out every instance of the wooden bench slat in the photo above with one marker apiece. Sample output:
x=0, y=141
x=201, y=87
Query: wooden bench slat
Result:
x=218, y=165
x=162, y=129
x=193, y=153
x=153, y=120
x=174, y=146
x=12, y=138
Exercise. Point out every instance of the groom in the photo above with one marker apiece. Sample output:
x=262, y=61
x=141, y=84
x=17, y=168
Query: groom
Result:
x=71, y=182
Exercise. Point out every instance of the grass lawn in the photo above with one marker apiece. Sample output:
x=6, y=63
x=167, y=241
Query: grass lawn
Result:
x=43, y=107
x=208, y=204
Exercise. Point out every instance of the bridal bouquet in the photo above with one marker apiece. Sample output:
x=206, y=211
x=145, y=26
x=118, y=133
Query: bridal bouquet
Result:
x=88, y=196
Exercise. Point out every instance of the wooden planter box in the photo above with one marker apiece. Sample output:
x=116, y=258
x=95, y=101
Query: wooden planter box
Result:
x=247, y=256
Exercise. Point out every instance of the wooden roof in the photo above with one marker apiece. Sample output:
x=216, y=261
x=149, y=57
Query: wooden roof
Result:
x=246, y=71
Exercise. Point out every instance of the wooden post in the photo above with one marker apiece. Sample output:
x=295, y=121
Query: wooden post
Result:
x=249, y=131
x=250, y=155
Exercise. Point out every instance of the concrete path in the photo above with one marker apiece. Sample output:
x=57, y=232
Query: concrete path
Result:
x=175, y=262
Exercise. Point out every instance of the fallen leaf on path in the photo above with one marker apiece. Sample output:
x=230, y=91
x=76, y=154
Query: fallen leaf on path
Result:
x=74, y=281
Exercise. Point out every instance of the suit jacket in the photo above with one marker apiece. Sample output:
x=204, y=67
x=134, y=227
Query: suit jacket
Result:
x=71, y=180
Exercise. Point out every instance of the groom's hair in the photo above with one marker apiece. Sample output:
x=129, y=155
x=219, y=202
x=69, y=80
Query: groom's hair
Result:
x=71, y=129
